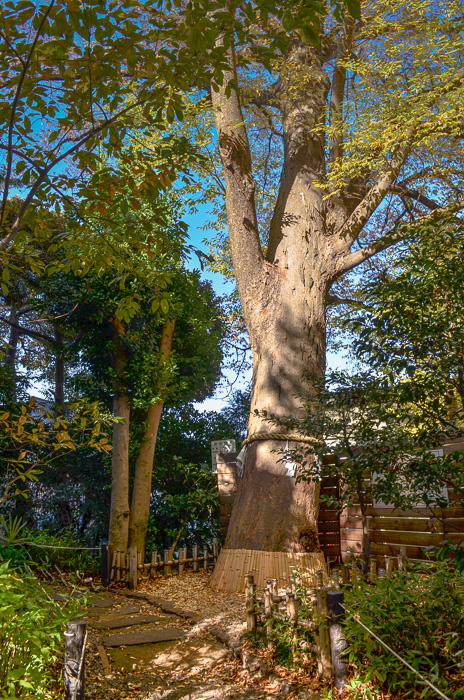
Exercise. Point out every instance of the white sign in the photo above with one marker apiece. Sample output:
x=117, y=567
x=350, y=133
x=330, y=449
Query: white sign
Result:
x=219, y=447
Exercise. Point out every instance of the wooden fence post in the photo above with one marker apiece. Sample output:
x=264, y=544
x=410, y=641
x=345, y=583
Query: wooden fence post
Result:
x=292, y=616
x=346, y=575
x=205, y=558
x=268, y=616
x=313, y=596
x=323, y=613
x=74, y=660
x=195, y=557
x=335, y=600
x=250, y=600
x=167, y=567
x=133, y=562
x=181, y=560
x=105, y=572
x=154, y=561
x=319, y=578
x=215, y=550
x=372, y=571
x=389, y=565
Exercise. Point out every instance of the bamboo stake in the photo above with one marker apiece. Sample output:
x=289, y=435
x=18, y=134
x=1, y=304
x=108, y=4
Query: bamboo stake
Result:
x=215, y=550
x=205, y=558
x=313, y=596
x=268, y=616
x=373, y=571
x=154, y=559
x=195, y=557
x=250, y=602
x=133, y=561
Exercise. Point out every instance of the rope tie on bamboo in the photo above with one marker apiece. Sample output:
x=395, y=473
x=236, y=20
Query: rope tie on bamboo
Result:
x=285, y=437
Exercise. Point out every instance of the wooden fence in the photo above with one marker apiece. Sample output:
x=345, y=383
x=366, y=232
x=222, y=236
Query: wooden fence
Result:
x=391, y=531
x=130, y=567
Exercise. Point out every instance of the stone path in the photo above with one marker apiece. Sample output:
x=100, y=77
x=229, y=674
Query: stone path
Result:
x=162, y=651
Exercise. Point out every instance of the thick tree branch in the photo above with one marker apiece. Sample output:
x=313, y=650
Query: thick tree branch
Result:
x=401, y=189
x=338, y=90
x=29, y=332
x=235, y=155
x=363, y=212
x=357, y=257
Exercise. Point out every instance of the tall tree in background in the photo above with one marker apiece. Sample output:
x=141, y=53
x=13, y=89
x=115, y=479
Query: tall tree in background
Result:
x=364, y=132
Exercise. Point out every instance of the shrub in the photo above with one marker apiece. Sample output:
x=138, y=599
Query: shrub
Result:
x=31, y=628
x=419, y=613
x=62, y=550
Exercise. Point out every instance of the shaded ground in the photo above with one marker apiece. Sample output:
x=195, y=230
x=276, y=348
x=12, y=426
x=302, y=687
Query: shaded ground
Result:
x=167, y=642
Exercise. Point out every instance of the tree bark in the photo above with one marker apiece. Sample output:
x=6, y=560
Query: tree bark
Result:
x=140, y=506
x=283, y=298
x=119, y=509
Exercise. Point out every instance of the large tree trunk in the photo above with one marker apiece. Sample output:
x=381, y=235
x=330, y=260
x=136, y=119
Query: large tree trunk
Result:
x=272, y=512
x=119, y=509
x=140, y=506
x=283, y=297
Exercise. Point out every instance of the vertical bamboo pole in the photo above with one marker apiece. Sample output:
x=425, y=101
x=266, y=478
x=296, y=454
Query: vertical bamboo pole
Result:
x=268, y=616
x=113, y=566
x=293, y=617
x=373, y=571
x=195, y=557
x=250, y=603
x=313, y=597
x=181, y=560
x=133, y=566
x=118, y=566
x=205, y=558
x=154, y=560
x=215, y=550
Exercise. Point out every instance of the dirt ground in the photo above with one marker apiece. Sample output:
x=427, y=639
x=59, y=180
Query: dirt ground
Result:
x=126, y=659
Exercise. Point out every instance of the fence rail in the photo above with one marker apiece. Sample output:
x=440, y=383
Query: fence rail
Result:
x=130, y=567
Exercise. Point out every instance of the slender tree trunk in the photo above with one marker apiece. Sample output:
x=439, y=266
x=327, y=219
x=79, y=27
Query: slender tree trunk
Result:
x=140, y=506
x=59, y=371
x=9, y=359
x=119, y=509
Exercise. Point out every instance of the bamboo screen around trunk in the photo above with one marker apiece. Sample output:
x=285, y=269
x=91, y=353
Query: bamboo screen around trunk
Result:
x=233, y=564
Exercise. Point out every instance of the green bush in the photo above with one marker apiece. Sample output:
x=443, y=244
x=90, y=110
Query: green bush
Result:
x=419, y=613
x=61, y=550
x=31, y=627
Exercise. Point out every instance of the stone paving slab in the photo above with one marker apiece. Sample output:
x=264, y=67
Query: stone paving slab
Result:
x=114, y=623
x=126, y=610
x=148, y=637
x=96, y=602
